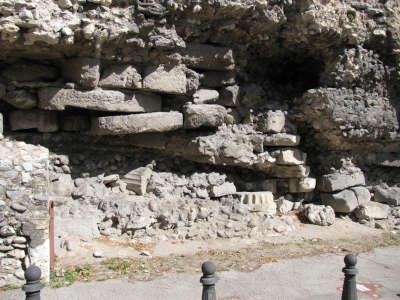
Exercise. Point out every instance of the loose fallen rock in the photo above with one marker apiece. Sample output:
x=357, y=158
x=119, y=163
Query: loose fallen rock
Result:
x=319, y=214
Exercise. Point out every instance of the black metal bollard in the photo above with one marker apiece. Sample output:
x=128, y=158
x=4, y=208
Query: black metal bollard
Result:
x=208, y=280
x=33, y=285
x=350, y=283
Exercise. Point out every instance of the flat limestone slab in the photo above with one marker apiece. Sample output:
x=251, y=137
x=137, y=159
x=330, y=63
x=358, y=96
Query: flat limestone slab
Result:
x=98, y=99
x=340, y=181
x=137, y=123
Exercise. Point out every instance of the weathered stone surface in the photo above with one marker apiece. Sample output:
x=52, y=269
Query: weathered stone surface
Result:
x=259, y=201
x=137, y=123
x=229, y=96
x=362, y=193
x=281, y=139
x=21, y=99
x=319, y=214
x=84, y=71
x=75, y=122
x=302, y=185
x=348, y=118
x=284, y=206
x=43, y=121
x=227, y=188
x=208, y=57
x=98, y=99
x=166, y=79
x=347, y=200
x=205, y=96
x=62, y=186
x=22, y=72
x=339, y=181
x=372, y=211
x=386, y=194
x=204, y=115
x=289, y=157
x=121, y=76
x=274, y=122
x=138, y=179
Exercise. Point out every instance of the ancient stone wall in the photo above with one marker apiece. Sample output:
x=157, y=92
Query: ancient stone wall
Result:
x=24, y=217
x=205, y=119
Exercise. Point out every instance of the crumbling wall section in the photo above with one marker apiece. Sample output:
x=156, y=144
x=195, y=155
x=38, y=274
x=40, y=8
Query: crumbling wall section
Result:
x=24, y=217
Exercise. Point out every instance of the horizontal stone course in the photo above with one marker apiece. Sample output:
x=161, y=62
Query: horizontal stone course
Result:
x=137, y=123
x=98, y=99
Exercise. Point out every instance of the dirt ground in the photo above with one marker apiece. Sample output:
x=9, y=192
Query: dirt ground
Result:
x=149, y=261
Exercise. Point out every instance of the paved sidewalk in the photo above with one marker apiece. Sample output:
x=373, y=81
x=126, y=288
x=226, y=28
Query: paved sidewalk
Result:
x=318, y=277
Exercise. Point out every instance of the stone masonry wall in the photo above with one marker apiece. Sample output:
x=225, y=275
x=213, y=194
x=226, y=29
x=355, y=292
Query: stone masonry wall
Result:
x=24, y=218
x=187, y=119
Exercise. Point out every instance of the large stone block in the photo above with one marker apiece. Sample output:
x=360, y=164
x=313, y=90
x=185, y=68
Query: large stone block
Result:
x=43, y=121
x=302, y=185
x=289, y=157
x=373, y=210
x=137, y=123
x=340, y=181
x=208, y=57
x=21, y=99
x=25, y=72
x=98, y=99
x=343, y=202
x=386, y=194
x=121, y=76
x=164, y=79
x=281, y=139
x=294, y=171
x=84, y=71
x=204, y=115
x=347, y=200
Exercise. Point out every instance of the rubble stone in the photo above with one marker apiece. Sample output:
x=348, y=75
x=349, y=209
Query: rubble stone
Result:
x=83, y=71
x=227, y=188
x=138, y=179
x=121, y=76
x=319, y=214
x=289, y=157
x=274, y=122
x=281, y=139
x=164, y=79
x=206, y=57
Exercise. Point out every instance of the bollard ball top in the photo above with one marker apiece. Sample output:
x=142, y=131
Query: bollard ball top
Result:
x=33, y=273
x=350, y=260
x=208, y=268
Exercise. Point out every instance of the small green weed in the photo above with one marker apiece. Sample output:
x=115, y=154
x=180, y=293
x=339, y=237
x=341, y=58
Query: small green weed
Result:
x=71, y=275
x=117, y=265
